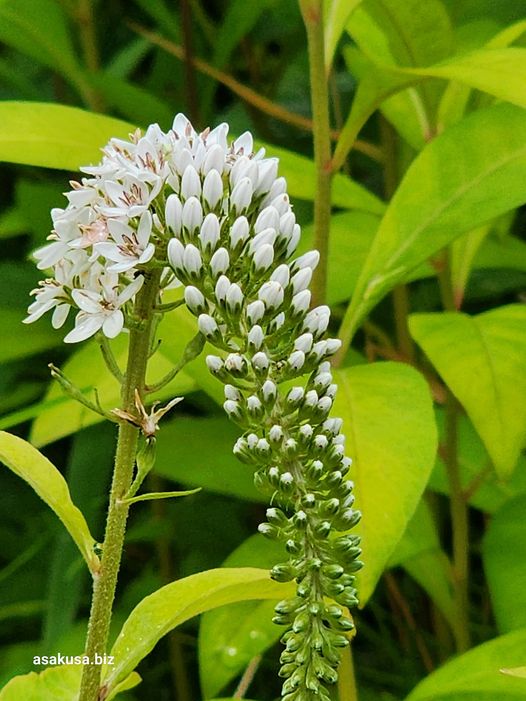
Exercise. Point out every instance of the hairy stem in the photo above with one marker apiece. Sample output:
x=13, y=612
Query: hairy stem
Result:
x=457, y=498
x=105, y=582
x=312, y=11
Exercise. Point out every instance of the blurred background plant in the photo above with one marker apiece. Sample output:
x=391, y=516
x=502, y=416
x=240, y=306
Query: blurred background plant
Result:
x=452, y=239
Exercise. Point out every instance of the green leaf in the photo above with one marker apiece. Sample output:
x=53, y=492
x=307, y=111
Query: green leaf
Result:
x=475, y=676
x=462, y=254
x=515, y=672
x=60, y=683
x=231, y=636
x=350, y=241
x=482, y=359
x=87, y=370
x=26, y=462
x=337, y=13
x=213, y=465
x=391, y=435
x=55, y=136
x=179, y=601
x=401, y=33
x=499, y=72
x=420, y=554
x=504, y=554
x=152, y=496
x=452, y=187
x=21, y=23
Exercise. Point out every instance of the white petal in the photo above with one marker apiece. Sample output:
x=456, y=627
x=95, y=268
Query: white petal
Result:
x=86, y=325
x=87, y=301
x=144, y=229
x=113, y=324
x=60, y=315
x=132, y=289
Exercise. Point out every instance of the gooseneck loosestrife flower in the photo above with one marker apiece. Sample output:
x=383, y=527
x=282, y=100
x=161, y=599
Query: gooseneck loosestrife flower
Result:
x=216, y=218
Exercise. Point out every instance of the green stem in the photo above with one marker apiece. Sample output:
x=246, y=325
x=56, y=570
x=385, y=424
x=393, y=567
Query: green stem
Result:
x=347, y=689
x=106, y=580
x=312, y=11
x=457, y=498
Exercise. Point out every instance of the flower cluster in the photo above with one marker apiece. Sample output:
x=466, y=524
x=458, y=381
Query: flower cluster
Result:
x=218, y=220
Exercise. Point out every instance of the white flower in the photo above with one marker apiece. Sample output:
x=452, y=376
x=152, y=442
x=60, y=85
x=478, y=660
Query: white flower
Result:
x=101, y=310
x=130, y=248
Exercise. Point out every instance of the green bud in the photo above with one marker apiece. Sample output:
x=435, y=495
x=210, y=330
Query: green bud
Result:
x=332, y=571
x=283, y=573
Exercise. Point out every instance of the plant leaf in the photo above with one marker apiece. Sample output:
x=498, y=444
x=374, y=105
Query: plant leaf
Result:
x=351, y=237
x=482, y=359
x=175, y=603
x=231, y=636
x=462, y=254
x=55, y=136
x=391, y=434
x=337, y=13
x=60, y=683
x=475, y=676
x=26, y=462
x=151, y=496
x=504, y=553
x=451, y=187
x=21, y=23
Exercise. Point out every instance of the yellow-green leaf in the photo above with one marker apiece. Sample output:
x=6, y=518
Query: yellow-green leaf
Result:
x=55, y=136
x=60, y=683
x=451, y=187
x=179, y=601
x=482, y=359
x=29, y=464
x=391, y=437
x=475, y=676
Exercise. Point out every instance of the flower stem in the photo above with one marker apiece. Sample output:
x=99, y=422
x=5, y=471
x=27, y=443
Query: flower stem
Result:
x=312, y=12
x=106, y=580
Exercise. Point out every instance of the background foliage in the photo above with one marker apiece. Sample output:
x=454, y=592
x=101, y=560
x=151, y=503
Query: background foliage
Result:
x=427, y=274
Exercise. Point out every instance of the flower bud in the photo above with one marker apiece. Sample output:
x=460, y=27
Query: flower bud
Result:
x=209, y=234
x=195, y=300
x=255, y=311
x=234, y=298
x=192, y=216
x=207, y=326
x=173, y=213
x=241, y=195
x=175, y=253
x=271, y=294
x=192, y=262
x=263, y=258
x=239, y=232
x=190, y=183
x=255, y=337
x=219, y=262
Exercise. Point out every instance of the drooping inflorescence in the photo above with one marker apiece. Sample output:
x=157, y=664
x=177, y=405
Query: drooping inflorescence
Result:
x=216, y=218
